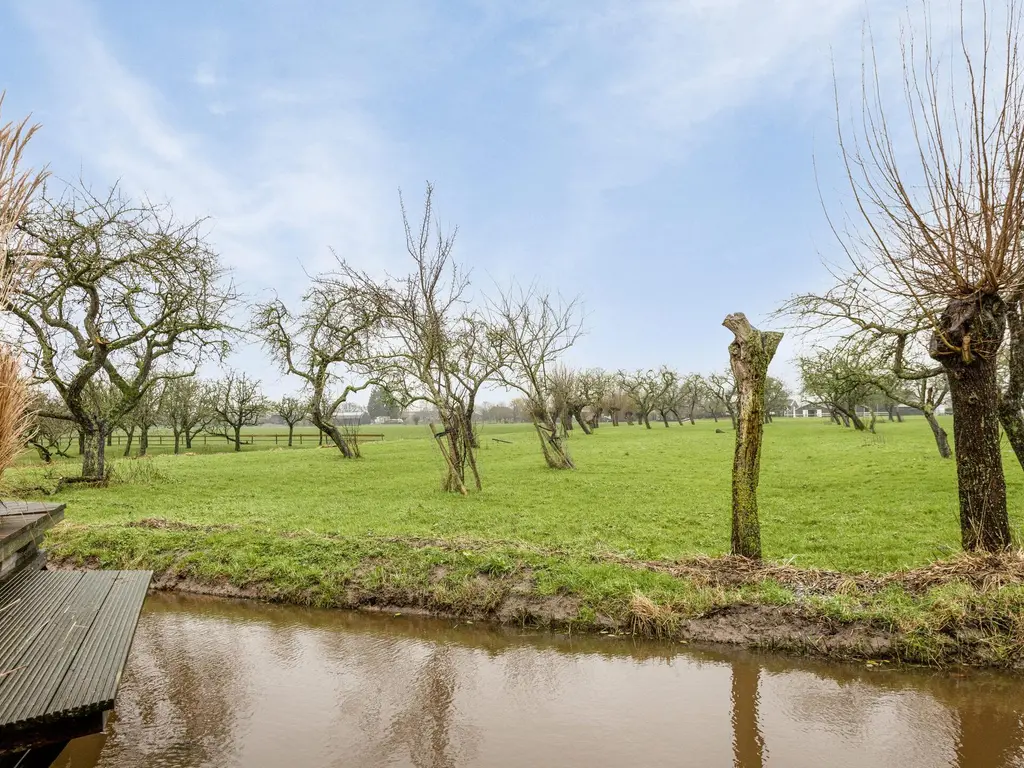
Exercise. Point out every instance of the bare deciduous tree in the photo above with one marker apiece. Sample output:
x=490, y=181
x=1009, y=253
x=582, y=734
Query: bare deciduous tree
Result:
x=116, y=288
x=530, y=330
x=426, y=347
x=292, y=410
x=50, y=435
x=720, y=390
x=146, y=414
x=324, y=341
x=187, y=408
x=776, y=397
x=237, y=402
x=838, y=380
x=594, y=386
x=644, y=389
x=934, y=238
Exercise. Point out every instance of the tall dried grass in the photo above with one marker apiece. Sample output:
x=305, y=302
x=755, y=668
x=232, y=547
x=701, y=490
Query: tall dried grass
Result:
x=17, y=187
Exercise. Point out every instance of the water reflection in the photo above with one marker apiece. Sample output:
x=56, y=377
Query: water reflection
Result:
x=747, y=742
x=219, y=683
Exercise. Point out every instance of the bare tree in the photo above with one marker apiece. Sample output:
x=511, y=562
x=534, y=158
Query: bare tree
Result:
x=720, y=390
x=237, y=402
x=594, y=386
x=427, y=346
x=326, y=340
x=693, y=390
x=117, y=287
x=49, y=435
x=292, y=410
x=670, y=394
x=565, y=398
x=838, y=380
x=187, y=408
x=146, y=414
x=530, y=330
x=935, y=233
x=776, y=397
x=616, y=402
x=645, y=389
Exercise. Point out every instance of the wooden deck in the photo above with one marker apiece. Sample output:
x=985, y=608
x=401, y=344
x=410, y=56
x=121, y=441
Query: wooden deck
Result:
x=64, y=639
x=22, y=524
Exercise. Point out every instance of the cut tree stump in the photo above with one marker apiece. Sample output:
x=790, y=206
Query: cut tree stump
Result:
x=749, y=355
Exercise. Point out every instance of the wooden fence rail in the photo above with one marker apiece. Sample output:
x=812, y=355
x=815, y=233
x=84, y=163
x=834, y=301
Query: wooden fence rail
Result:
x=247, y=439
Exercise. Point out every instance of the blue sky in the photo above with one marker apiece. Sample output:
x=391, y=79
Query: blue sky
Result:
x=656, y=158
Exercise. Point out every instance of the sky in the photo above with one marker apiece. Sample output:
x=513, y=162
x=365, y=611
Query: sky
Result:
x=662, y=159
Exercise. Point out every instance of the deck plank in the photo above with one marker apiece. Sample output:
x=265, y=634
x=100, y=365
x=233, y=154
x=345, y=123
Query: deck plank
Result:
x=34, y=676
x=95, y=675
x=64, y=640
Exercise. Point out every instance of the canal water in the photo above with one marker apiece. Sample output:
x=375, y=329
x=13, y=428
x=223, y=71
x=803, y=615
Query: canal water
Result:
x=222, y=683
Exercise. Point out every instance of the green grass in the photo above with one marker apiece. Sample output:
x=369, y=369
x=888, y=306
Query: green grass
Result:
x=829, y=497
x=305, y=525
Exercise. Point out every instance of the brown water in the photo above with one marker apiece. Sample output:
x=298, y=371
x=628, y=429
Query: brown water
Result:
x=222, y=683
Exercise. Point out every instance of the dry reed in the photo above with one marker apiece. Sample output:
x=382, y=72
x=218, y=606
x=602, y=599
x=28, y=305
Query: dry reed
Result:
x=17, y=187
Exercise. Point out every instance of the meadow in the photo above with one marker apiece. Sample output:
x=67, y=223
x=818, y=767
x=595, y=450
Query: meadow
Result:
x=618, y=544
x=830, y=497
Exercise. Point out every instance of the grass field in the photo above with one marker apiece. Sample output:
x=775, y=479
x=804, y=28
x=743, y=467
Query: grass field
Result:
x=303, y=524
x=830, y=497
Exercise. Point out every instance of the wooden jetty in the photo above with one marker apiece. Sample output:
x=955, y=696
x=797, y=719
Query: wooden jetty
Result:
x=64, y=641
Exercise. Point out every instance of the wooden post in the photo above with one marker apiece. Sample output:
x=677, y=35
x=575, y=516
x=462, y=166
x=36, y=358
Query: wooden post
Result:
x=749, y=354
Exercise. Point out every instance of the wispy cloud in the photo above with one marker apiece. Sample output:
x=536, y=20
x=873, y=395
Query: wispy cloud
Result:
x=291, y=180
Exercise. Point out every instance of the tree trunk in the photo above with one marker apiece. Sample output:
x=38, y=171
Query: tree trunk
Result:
x=890, y=409
x=552, y=446
x=664, y=418
x=1011, y=399
x=143, y=440
x=899, y=416
x=858, y=423
x=714, y=415
x=177, y=441
x=615, y=418
x=188, y=440
x=129, y=439
x=749, y=355
x=941, y=439
x=94, y=451
x=44, y=452
x=578, y=415
x=110, y=438
x=327, y=427
x=1013, y=425
x=647, y=420
x=81, y=442
x=238, y=437
x=291, y=431
x=871, y=424
x=966, y=344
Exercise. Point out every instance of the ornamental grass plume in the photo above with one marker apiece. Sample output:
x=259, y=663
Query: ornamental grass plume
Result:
x=17, y=187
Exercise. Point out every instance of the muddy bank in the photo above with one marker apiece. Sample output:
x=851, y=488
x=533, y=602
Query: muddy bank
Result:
x=824, y=614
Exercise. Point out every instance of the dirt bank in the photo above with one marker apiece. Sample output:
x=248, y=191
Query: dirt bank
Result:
x=969, y=610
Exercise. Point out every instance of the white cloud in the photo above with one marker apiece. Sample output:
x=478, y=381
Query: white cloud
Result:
x=301, y=175
x=206, y=77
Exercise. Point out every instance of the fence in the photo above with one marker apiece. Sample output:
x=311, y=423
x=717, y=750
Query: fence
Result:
x=299, y=438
